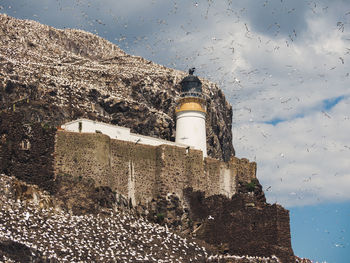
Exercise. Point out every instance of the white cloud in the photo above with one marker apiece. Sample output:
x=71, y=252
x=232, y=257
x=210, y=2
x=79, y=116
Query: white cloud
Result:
x=304, y=160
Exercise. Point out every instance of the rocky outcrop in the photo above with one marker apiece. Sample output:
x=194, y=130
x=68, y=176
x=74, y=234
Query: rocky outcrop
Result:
x=12, y=251
x=241, y=259
x=54, y=76
x=49, y=233
x=26, y=149
x=241, y=225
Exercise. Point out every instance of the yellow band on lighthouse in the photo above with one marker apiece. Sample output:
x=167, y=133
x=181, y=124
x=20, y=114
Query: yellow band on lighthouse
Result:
x=191, y=104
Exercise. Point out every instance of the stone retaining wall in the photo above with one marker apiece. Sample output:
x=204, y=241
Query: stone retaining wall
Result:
x=142, y=172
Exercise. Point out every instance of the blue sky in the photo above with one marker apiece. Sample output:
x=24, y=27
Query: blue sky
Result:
x=324, y=106
x=283, y=66
x=326, y=230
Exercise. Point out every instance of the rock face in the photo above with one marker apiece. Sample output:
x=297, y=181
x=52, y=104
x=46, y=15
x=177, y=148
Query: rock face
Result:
x=26, y=149
x=44, y=229
x=54, y=76
x=46, y=234
x=242, y=225
x=39, y=231
x=12, y=251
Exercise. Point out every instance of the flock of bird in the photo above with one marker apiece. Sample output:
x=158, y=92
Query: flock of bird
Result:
x=112, y=236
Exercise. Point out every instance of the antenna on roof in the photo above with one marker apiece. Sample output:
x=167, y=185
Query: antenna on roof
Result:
x=191, y=71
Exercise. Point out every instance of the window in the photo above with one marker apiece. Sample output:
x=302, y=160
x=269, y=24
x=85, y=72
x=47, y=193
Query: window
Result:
x=25, y=145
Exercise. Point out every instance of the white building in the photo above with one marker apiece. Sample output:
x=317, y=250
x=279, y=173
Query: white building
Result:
x=114, y=132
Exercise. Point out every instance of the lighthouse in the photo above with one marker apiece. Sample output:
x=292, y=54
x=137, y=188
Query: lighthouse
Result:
x=191, y=113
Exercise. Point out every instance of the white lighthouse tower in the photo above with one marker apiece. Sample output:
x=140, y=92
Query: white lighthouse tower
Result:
x=191, y=113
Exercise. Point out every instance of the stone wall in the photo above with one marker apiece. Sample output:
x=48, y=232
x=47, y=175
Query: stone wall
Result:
x=133, y=168
x=246, y=171
x=87, y=155
x=26, y=149
x=177, y=168
x=142, y=172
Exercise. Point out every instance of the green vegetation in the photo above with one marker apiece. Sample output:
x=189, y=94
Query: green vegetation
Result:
x=160, y=217
x=251, y=185
x=47, y=126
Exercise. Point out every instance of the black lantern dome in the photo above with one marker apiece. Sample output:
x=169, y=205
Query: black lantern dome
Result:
x=191, y=85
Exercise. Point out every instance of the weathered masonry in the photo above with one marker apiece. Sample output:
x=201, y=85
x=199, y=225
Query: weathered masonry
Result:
x=142, y=172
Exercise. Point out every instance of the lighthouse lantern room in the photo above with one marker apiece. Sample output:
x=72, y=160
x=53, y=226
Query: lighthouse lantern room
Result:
x=191, y=113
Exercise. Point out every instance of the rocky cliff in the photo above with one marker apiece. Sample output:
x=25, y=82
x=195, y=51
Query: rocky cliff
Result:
x=39, y=230
x=54, y=76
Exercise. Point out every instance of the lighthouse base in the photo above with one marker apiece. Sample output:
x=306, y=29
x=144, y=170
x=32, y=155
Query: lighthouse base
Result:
x=191, y=131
